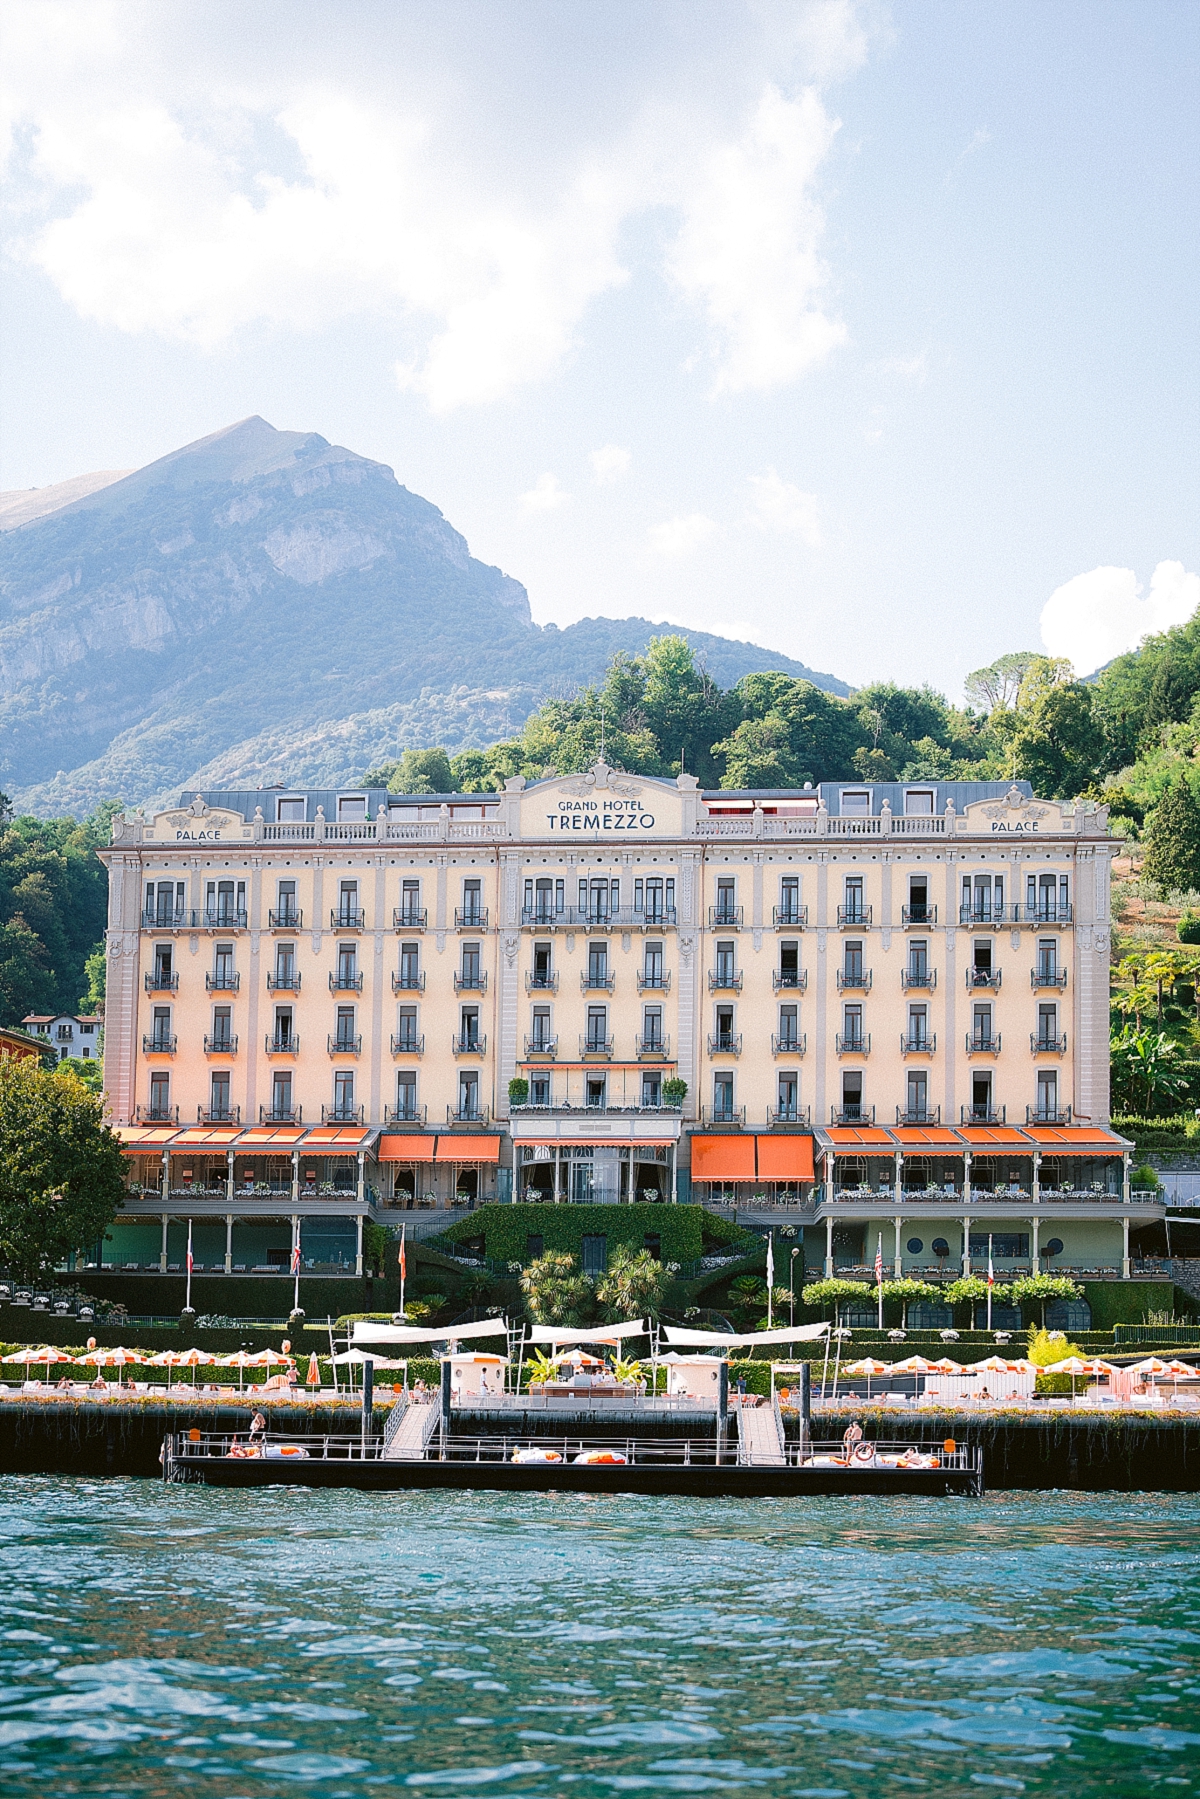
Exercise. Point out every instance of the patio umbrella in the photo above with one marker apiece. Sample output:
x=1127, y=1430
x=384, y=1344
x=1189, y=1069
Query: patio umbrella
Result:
x=946, y=1366
x=868, y=1366
x=915, y=1364
x=313, y=1377
x=1074, y=1366
x=30, y=1358
x=112, y=1358
x=241, y=1359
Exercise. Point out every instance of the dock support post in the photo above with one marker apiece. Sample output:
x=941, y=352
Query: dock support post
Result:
x=162, y=1254
x=368, y=1402
x=229, y=1242
x=446, y=1374
x=722, y=1407
x=805, y=1410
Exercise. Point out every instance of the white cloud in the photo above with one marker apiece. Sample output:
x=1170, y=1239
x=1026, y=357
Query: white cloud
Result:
x=1097, y=616
x=544, y=496
x=681, y=535
x=779, y=506
x=748, y=248
x=609, y=463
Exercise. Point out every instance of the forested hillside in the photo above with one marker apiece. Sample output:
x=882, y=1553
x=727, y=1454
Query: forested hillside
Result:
x=53, y=909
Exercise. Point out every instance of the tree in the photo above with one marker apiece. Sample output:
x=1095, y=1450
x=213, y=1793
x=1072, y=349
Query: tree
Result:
x=90, y=1072
x=415, y=771
x=1057, y=743
x=633, y=1285
x=1172, y=859
x=556, y=1291
x=62, y=1171
x=999, y=683
x=1148, y=1076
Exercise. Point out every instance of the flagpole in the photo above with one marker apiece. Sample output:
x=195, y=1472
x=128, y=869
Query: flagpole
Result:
x=188, y=1302
x=991, y=1282
x=770, y=1273
x=403, y=1265
x=296, y=1269
x=879, y=1276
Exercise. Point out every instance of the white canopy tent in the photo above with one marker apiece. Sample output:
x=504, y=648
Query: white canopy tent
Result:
x=796, y=1333
x=538, y=1334
x=367, y=1332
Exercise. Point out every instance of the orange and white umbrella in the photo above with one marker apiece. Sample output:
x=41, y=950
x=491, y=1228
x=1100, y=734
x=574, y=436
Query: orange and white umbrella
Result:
x=313, y=1377
x=1151, y=1367
x=946, y=1366
x=31, y=1358
x=915, y=1364
x=112, y=1358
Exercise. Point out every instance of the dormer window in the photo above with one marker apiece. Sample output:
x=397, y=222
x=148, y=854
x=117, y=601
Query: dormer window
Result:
x=856, y=802
x=919, y=800
x=352, y=809
x=290, y=811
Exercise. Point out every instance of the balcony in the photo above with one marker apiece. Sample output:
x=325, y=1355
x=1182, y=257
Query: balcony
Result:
x=282, y=1043
x=856, y=1044
x=653, y=983
x=470, y=1045
x=1045, y=1045
x=286, y=919
x=541, y=983
x=595, y=1046
x=226, y=982
x=795, y=1045
x=160, y=982
x=725, y=980
x=218, y=1114
x=280, y=1114
x=347, y=918
x=793, y=917
x=284, y=980
x=408, y=1043
x=344, y=1045
x=854, y=918
x=1058, y=912
x=919, y=915
x=854, y=980
x=918, y=1043
x=159, y=1043
x=981, y=1114
x=655, y=1047
x=343, y=1114
x=468, y=1114
x=785, y=1115
x=983, y=1043
x=852, y=1114
x=596, y=982
x=541, y=1046
x=470, y=918
x=1047, y=1115
x=409, y=918
x=1047, y=977
x=988, y=914
x=730, y=1115
x=346, y=980
x=407, y=1114
x=470, y=980
x=923, y=979
x=984, y=978
x=725, y=918
x=222, y=918
x=157, y=1114
x=545, y=916
x=220, y=1046
x=790, y=980
x=408, y=981
x=918, y=1114
x=725, y=1043
x=171, y=919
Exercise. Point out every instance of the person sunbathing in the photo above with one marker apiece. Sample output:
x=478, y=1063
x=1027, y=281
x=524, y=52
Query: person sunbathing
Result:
x=852, y=1436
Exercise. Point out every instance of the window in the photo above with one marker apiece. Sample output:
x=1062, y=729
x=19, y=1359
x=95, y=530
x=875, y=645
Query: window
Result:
x=160, y=1034
x=726, y=971
x=652, y=1089
x=410, y=965
x=918, y=960
x=594, y=1255
x=472, y=906
x=599, y=898
x=218, y=1098
x=410, y=903
x=652, y=965
x=544, y=900
x=289, y=811
x=222, y=1027
x=281, y=1094
x=347, y=964
x=918, y=801
x=468, y=1094
x=470, y=965
x=981, y=961
x=981, y=1097
x=789, y=1027
x=852, y=1092
x=85, y=1030
x=406, y=1030
x=543, y=968
x=225, y=902
x=918, y=1026
x=654, y=898
x=1047, y=960
x=852, y=964
x=787, y=1098
x=981, y=1027
x=652, y=1027
x=853, y=912
x=164, y=964
x=1047, y=1031
x=722, y=1098
x=406, y=1095
x=343, y=1093
x=352, y=809
x=918, y=900
x=285, y=962
x=1047, y=1093
x=469, y=1026
x=595, y=1091
x=597, y=1027
x=789, y=963
x=789, y=899
x=917, y=1102
x=1005, y=1246
x=852, y=1027
x=223, y=965
x=597, y=974
x=724, y=1037
x=541, y=1028
x=160, y=1095
x=855, y=802
x=1046, y=897
x=726, y=912
x=539, y=1090
x=283, y=1027
x=348, y=912
x=344, y=1038
x=982, y=899
x=164, y=902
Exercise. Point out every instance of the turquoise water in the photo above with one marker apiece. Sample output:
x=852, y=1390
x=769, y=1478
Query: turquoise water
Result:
x=182, y=1640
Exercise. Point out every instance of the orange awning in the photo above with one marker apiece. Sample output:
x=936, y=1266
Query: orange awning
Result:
x=406, y=1149
x=205, y=1136
x=723, y=1159
x=140, y=1138
x=860, y=1136
x=994, y=1136
x=271, y=1136
x=335, y=1136
x=1075, y=1140
x=933, y=1137
x=467, y=1149
x=785, y=1159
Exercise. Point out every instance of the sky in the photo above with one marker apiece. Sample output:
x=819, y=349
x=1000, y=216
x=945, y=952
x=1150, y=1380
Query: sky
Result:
x=863, y=331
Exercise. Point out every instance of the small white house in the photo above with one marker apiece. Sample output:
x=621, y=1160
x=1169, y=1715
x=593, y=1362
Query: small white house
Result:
x=693, y=1376
x=69, y=1034
x=476, y=1376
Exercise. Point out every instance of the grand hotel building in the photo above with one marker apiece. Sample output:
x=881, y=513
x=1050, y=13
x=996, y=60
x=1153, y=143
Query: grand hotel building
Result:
x=888, y=1005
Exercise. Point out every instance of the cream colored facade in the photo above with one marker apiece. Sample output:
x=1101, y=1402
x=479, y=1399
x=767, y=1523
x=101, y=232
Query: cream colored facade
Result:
x=791, y=959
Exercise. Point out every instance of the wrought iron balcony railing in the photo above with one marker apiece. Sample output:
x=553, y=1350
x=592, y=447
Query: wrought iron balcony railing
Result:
x=408, y=981
x=1047, y=1044
x=336, y=1114
x=274, y=1114
x=985, y=977
x=222, y=918
x=470, y=1045
x=725, y=1043
x=723, y=1115
x=221, y=1045
x=725, y=918
x=541, y=983
x=284, y=980
x=408, y=1043
x=410, y=918
x=1047, y=977
x=224, y=981
x=407, y=1114
x=918, y=1114
x=1047, y=1115
x=854, y=978
x=285, y=918
x=919, y=915
x=724, y=980
x=279, y=1043
x=649, y=982
x=852, y=1114
x=468, y=1114
x=793, y=917
x=340, y=1045
x=218, y=1114
x=920, y=977
x=796, y=1045
x=159, y=1043
x=982, y=1114
x=347, y=918
x=161, y=982
x=789, y=1115
x=983, y=1043
x=596, y=981
x=853, y=1044
x=345, y=980
x=656, y=1046
x=470, y=918
x=541, y=1046
x=790, y=980
x=855, y=918
x=918, y=1043
x=595, y=1046
x=470, y=980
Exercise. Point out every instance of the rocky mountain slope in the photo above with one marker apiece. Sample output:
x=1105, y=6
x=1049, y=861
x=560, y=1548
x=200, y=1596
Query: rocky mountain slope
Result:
x=262, y=605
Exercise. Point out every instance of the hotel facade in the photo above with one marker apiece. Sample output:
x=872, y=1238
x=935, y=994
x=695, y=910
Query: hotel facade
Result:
x=887, y=1005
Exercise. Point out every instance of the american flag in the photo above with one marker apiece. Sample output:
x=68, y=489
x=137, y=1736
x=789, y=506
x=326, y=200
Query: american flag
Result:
x=879, y=1262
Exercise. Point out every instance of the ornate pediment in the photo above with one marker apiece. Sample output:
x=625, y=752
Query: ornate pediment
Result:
x=600, y=778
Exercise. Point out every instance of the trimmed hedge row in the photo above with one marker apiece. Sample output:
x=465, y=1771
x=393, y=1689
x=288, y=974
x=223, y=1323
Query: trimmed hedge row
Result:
x=681, y=1230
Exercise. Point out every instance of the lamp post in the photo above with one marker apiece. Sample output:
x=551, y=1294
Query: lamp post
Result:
x=792, y=1288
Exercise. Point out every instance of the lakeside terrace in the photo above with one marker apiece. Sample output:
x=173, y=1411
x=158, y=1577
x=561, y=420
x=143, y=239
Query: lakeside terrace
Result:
x=1039, y=1195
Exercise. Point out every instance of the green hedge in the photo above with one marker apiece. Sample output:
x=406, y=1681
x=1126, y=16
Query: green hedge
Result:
x=683, y=1230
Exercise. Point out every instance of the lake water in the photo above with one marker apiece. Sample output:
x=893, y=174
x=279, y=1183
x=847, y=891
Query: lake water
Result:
x=183, y=1640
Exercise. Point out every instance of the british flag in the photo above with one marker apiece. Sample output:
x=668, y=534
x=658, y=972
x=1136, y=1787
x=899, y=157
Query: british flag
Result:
x=296, y=1257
